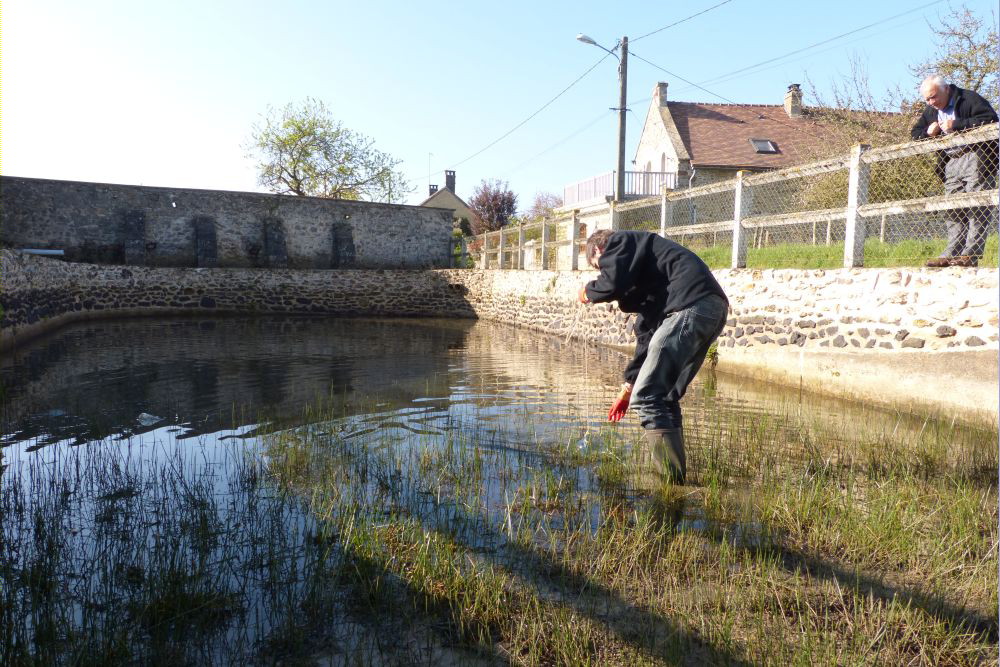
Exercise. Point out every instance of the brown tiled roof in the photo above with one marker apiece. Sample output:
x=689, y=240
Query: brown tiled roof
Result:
x=719, y=134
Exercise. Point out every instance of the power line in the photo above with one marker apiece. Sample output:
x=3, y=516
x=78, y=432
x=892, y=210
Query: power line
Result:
x=726, y=99
x=771, y=60
x=723, y=78
x=820, y=43
x=681, y=21
x=558, y=143
x=573, y=134
x=561, y=93
x=677, y=76
x=535, y=113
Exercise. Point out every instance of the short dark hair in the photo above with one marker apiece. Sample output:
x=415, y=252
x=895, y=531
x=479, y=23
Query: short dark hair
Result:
x=597, y=241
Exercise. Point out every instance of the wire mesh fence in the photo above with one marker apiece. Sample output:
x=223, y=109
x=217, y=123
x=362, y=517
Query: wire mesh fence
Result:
x=932, y=201
x=702, y=219
x=642, y=215
x=550, y=244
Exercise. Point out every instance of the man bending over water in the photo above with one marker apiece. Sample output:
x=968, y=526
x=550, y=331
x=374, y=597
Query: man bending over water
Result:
x=681, y=310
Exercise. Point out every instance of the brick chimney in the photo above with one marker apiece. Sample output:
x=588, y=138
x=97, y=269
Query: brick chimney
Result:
x=793, y=101
x=660, y=93
x=433, y=189
x=449, y=181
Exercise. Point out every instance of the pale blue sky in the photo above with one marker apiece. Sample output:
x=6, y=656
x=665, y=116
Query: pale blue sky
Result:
x=165, y=93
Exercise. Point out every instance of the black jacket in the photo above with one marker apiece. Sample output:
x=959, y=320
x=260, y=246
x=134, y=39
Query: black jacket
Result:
x=653, y=277
x=971, y=110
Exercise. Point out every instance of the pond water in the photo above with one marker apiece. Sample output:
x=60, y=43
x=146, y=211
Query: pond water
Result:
x=136, y=461
x=191, y=377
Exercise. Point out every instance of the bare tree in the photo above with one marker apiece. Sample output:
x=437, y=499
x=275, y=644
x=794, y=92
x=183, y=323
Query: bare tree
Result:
x=542, y=206
x=967, y=54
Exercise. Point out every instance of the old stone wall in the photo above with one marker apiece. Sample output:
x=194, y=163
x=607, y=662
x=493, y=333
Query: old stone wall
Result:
x=39, y=292
x=894, y=336
x=154, y=226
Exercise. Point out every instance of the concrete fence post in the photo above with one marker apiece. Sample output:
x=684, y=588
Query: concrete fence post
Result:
x=520, y=247
x=501, y=248
x=665, y=211
x=857, y=195
x=742, y=200
x=483, y=251
x=615, y=216
x=574, y=241
x=545, y=246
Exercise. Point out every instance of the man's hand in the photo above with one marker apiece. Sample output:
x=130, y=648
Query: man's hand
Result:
x=933, y=129
x=947, y=124
x=582, y=294
x=620, y=406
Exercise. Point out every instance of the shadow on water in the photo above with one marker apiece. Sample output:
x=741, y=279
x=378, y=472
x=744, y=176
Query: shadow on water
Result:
x=416, y=382
x=649, y=631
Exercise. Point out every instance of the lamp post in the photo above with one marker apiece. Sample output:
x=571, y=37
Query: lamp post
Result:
x=623, y=86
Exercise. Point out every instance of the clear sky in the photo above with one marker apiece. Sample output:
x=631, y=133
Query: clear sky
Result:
x=165, y=93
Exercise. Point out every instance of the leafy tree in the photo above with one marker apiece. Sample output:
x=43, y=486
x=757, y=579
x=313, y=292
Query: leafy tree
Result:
x=543, y=205
x=300, y=149
x=968, y=54
x=494, y=205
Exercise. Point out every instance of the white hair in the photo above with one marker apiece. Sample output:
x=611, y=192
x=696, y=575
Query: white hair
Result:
x=935, y=80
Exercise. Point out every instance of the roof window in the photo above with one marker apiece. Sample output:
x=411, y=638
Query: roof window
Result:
x=764, y=146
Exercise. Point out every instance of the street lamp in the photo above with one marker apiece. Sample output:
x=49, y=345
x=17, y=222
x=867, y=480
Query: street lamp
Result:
x=623, y=85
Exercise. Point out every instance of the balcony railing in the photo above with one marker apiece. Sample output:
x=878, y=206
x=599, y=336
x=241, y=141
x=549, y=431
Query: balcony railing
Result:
x=637, y=184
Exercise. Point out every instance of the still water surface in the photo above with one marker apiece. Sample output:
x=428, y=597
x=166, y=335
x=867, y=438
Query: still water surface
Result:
x=124, y=453
x=200, y=377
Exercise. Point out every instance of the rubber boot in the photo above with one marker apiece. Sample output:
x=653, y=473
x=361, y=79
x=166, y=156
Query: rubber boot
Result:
x=667, y=445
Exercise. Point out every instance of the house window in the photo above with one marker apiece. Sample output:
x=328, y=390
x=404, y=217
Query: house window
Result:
x=764, y=146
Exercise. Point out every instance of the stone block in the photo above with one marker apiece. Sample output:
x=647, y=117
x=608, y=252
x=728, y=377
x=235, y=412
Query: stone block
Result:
x=945, y=331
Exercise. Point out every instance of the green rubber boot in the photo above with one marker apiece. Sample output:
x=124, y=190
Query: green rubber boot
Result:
x=667, y=446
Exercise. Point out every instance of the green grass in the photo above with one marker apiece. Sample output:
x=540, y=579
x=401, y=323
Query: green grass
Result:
x=499, y=541
x=793, y=545
x=806, y=256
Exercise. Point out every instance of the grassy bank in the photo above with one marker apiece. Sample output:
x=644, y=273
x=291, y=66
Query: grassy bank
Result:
x=910, y=252
x=794, y=543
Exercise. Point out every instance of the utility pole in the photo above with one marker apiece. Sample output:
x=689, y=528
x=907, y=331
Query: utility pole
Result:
x=622, y=101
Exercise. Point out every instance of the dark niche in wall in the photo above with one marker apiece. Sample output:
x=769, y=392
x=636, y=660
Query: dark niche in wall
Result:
x=342, y=245
x=205, y=244
x=92, y=252
x=275, y=248
x=133, y=234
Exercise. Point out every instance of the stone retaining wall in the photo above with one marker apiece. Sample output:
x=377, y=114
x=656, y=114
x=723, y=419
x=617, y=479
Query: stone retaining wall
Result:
x=887, y=335
x=156, y=226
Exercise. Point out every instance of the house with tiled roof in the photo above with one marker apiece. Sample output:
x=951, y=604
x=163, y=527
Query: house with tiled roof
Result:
x=446, y=198
x=695, y=143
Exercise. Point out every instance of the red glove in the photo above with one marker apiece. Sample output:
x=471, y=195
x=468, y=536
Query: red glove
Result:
x=582, y=294
x=620, y=406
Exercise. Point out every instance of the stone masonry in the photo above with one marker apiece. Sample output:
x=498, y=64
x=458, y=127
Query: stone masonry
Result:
x=155, y=226
x=889, y=335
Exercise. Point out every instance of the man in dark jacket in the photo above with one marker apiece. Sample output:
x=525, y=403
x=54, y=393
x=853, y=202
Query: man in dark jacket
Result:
x=968, y=168
x=681, y=309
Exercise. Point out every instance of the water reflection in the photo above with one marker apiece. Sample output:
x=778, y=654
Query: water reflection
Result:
x=131, y=440
x=118, y=378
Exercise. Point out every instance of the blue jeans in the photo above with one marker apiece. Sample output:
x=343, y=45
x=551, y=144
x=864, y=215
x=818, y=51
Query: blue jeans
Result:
x=676, y=352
